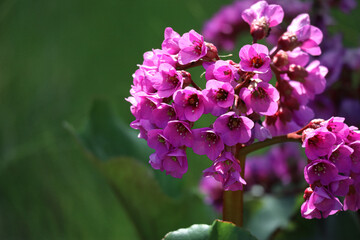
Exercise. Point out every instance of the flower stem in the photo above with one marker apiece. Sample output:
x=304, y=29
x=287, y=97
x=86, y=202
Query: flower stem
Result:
x=233, y=201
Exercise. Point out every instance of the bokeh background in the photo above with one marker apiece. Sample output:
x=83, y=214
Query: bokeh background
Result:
x=70, y=167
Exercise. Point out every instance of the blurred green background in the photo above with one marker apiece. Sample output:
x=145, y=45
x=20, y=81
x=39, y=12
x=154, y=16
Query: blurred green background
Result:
x=56, y=59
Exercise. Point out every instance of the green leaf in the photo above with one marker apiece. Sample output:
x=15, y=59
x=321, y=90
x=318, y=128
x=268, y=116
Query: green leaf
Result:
x=219, y=230
x=227, y=231
x=194, y=232
x=152, y=211
x=269, y=212
x=105, y=136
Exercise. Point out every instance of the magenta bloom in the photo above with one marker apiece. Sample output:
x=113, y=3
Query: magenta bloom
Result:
x=171, y=41
x=174, y=162
x=220, y=96
x=261, y=16
x=167, y=80
x=224, y=71
x=227, y=171
x=157, y=141
x=207, y=142
x=254, y=58
x=320, y=170
x=355, y=157
x=318, y=143
x=233, y=129
x=163, y=114
x=319, y=203
x=190, y=104
x=261, y=97
x=341, y=158
x=178, y=133
x=192, y=47
x=301, y=33
x=340, y=185
x=337, y=126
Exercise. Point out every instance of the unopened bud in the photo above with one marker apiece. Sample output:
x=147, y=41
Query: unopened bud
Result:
x=307, y=193
x=186, y=78
x=288, y=41
x=212, y=52
x=281, y=59
x=259, y=29
x=297, y=73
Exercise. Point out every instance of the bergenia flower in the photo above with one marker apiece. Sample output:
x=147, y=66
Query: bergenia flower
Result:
x=319, y=203
x=192, y=47
x=318, y=143
x=254, y=58
x=227, y=171
x=207, y=142
x=320, y=170
x=171, y=41
x=174, y=162
x=233, y=129
x=301, y=34
x=178, y=133
x=261, y=17
x=190, y=104
x=220, y=96
x=261, y=97
x=167, y=80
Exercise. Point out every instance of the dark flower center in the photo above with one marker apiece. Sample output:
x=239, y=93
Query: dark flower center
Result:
x=193, y=100
x=181, y=129
x=319, y=168
x=257, y=62
x=173, y=80
x=221, y=95
x=260, y=93
x=234, y=122
x=211, y=137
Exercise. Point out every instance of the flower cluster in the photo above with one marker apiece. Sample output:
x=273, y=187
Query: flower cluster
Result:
x=167, y=102
x=227, y=24
x=333, y=169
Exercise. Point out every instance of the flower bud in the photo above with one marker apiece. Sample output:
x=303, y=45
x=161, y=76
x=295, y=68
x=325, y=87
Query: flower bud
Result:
x=297, y=73
x=259, y=29
x=307, y=193
x=288, y=41
x=280, y=59
x=212, y=52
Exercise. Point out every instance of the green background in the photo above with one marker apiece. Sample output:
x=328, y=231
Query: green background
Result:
x=56, y=59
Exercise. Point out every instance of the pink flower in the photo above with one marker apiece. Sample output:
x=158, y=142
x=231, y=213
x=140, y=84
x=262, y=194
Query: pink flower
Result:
x=207, y=142
x=301, y=34
x=190, y=104
x=220, y=96
x=171, y=41
x=254, y=58
x=261, y=97
x=233, y=129
x=318, y=143
x=320, y=170
x=319, y=203
x=174, y=162
x=227, y=171
x=178, y=133
x=167, y=80
x=192, y=47
x=261, y=16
